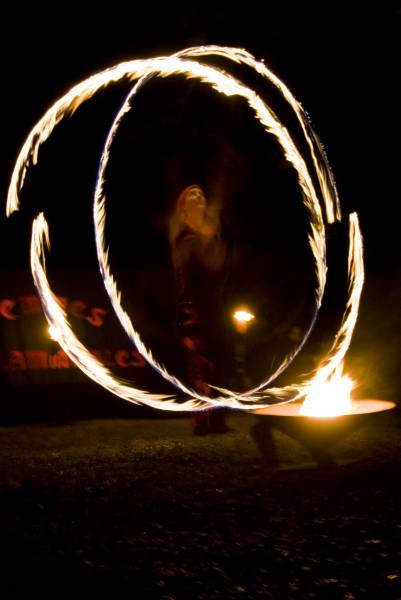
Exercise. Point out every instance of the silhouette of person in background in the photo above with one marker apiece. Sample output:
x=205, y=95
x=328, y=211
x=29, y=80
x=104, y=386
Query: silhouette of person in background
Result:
x=198, y=255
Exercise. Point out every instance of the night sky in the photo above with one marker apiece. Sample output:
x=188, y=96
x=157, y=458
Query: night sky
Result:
x=341, y=63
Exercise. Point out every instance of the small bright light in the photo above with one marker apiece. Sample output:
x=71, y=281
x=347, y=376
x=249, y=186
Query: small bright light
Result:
x=243, y=316
x=54, y=333
x=330, y=398
x=242, y=319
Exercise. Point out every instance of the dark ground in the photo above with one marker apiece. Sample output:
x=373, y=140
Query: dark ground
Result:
x=145, y=507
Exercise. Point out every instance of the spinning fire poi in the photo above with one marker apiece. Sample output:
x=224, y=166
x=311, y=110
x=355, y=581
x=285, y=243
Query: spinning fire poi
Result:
x=321, y=203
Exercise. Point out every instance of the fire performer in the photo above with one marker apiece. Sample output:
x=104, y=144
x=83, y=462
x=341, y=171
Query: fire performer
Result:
x=199, y=258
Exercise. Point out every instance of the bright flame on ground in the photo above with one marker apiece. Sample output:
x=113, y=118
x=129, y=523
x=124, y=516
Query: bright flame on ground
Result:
x=330, y=398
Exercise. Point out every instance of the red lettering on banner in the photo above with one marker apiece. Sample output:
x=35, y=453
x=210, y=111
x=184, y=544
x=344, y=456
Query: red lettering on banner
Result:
x=16, y=361
x=129, y=358
x=103, y=356
x=36, y=359
x=6, y=308
x=30, y=305
x=77, y=308
x=59, y=360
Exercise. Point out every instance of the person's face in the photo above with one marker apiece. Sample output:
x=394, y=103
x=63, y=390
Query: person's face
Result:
x=194, y=207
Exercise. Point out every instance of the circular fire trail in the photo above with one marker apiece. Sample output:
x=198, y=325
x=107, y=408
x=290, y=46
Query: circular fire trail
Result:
x=183, y=63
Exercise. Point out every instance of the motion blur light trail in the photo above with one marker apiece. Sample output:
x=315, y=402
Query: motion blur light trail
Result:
x=77, y=352
x=228, y=86
x=328, y=373
x=140, y=71
x=322, y=167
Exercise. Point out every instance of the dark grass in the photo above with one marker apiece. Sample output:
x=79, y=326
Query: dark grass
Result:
x=142, y=508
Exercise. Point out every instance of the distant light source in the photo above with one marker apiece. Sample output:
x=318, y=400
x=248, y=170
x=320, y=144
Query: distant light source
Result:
x=54, y=333
x=242, y=318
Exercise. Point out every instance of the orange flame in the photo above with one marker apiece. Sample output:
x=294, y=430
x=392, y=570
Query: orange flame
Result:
x=330, y=397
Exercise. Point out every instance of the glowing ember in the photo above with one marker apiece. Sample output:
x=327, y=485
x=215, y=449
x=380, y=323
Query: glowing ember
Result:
x=329, y=398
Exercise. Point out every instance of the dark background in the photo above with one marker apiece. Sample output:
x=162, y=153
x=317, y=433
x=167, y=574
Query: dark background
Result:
x=342, y=64
x=149, y=506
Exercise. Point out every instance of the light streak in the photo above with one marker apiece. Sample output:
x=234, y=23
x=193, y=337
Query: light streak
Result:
x=54, y=333
x=228, y=86
x=328, y=393
x=332, y=363
x=141, y=70
x=356, y=277
x=76, y=351
x=322, y=166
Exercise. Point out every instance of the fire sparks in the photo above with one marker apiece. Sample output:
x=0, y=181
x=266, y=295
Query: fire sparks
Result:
x=139, y=71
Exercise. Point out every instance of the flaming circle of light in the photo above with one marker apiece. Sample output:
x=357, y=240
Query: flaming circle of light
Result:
x=140, y=71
